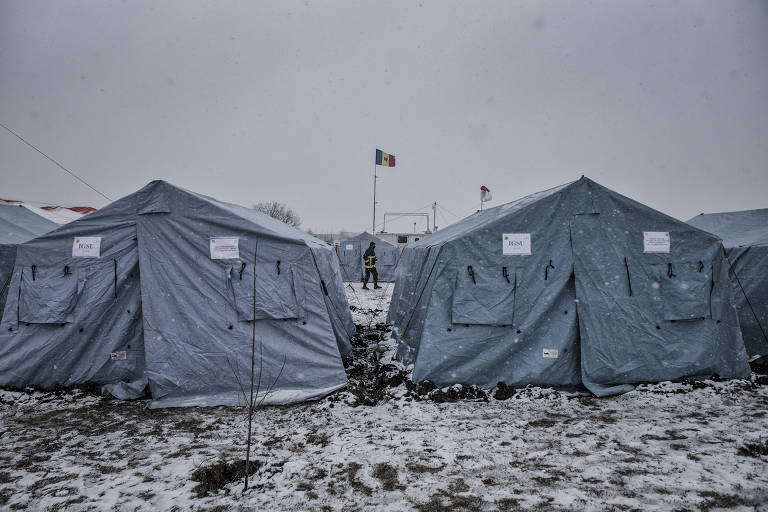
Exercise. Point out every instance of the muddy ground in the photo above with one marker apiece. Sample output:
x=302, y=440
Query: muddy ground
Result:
x=386, y=444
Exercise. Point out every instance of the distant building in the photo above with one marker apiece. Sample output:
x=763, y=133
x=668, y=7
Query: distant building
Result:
x=59, y=214
x=402, y=239
x=332, y=238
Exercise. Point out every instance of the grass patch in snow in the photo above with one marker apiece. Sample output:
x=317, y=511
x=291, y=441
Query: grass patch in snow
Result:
x=387, y=474
x=758, y=449
x=215, y=477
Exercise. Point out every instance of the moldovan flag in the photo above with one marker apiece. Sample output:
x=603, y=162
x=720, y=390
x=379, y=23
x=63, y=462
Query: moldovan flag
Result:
x=384, y=159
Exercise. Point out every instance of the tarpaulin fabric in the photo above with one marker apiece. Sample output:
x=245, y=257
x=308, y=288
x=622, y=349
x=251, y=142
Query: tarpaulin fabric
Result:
x=17, y=224
x=351, y=252
x=745, y=237
x=158, y=307
x=589, y=301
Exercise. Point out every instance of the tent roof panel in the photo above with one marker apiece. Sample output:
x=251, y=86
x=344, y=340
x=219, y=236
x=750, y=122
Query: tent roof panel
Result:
x=19, y=224
x=742, y=228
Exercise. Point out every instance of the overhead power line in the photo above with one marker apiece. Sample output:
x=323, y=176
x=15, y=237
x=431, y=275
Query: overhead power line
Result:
x=78, y=178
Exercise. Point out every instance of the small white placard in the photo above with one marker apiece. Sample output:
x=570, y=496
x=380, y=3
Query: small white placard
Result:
x=86, y=247
x=225, y=248
x=516, y=243
x=550, y=353
x=350, y=247
x=656, y=241
x=118, y=356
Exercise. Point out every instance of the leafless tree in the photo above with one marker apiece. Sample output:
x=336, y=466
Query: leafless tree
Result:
x=279, y=211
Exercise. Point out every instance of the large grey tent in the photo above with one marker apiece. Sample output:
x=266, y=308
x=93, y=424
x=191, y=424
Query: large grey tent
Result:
x=745, y=237
x=17, y=224
x=572, y=286
x=351, y=257
x=158, y=288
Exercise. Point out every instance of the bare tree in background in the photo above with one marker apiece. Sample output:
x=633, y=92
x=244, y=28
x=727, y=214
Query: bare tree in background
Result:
x=279, y=211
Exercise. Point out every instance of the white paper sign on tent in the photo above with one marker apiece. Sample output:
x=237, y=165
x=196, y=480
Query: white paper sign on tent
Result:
x=86, y=247
x=550, y=353
x=656, y=241
x=350, y=247
x=225, y=248
x=516, y=243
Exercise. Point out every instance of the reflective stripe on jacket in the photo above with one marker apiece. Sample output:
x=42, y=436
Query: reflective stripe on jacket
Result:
x=370, y=262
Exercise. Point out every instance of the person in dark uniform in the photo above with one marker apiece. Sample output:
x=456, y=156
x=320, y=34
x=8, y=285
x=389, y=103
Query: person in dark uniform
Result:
x=369, y=261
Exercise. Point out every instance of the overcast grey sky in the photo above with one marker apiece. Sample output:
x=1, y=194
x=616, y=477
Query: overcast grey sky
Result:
x=663, y=101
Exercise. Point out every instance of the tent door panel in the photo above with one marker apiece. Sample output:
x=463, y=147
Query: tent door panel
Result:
x=624, y=337
x=617, y=314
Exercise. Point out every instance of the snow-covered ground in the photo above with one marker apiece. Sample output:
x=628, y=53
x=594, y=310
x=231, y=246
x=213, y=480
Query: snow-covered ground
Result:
x=661, y=447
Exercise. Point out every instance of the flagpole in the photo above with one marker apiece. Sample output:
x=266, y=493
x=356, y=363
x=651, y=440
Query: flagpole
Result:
x=373, y=227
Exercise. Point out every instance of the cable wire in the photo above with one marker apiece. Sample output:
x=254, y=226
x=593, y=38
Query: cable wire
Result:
x=78, y=178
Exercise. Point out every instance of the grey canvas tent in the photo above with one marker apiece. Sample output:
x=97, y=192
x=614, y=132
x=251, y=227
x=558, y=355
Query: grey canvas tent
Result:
x=572, y=286
x=17, y=224
x=157, y=288
x=745, y=237
x=351, y=257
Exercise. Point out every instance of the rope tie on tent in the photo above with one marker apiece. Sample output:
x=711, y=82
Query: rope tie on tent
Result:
x=67, y=272
x=701, y=265
x=471, y=273
x=325, y=288
x=670, y=273
x=546, y=269
x=711, y=289
x=115, y=261
x=505, y=273
x=278, y=267
x=629, y=281
x=514, y=300
x=743, y=292
x=242, y=269
x=359, y=303
x=5, y=284
x=34, y=272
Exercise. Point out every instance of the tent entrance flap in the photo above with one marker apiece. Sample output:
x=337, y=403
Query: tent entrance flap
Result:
x=662, y=331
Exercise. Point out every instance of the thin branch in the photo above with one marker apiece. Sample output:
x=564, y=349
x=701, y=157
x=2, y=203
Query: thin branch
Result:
x=272, y=386
x=237, y=378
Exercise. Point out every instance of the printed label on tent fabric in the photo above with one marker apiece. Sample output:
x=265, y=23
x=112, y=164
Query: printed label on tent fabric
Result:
x=350, y=247
x=516, y=243
x=550, y=353
x=118, y=356
x=656, y=241
x=86, y=247
x=225, y=248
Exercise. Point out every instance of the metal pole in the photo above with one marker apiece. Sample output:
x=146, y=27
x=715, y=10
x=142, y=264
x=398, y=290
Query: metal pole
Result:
x=434, y=216
x=373, y=227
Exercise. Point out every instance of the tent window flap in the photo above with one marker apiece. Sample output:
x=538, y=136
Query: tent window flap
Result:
x=275, y=293
x=685, y=289
x=484, y=297
x=49, y=295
